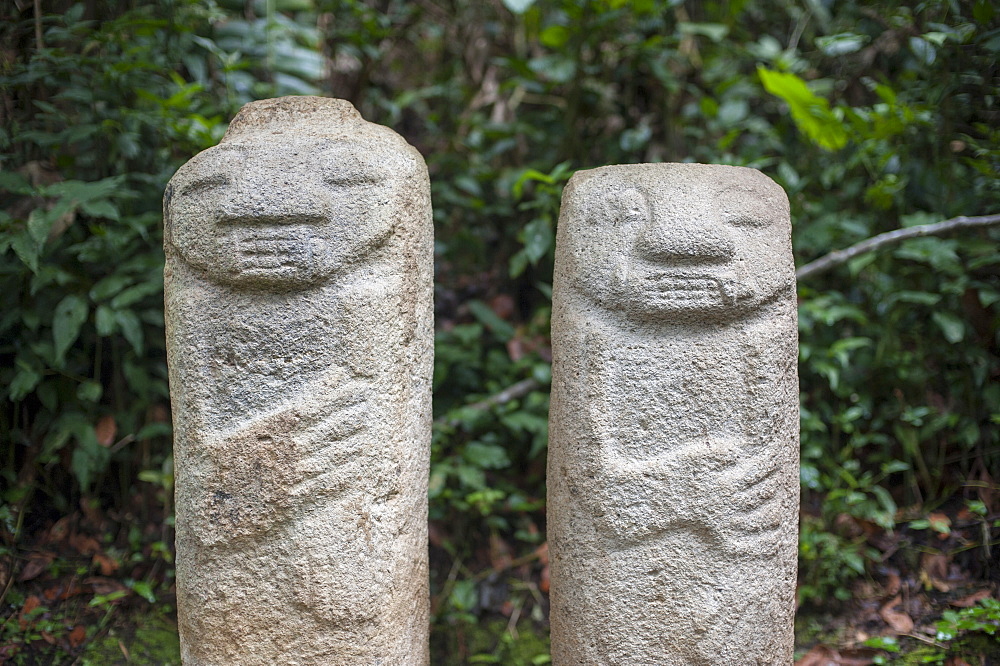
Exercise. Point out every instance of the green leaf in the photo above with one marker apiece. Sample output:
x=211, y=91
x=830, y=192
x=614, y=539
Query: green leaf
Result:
x=105, y=321
x=109, y=286
x=529, y=175
x=518, y=263
x=923, y=50
x=14, y=183
x=488, y=318
x=101, y=208
x=553, y=67
x=714, y=31
x=135, y=293
x=144, y=590
x=811, y=113
x=887, y=643
x=554, y=36
x=131, y=328
x=537, y=239
x=840, y=45
x=470, y=476
x=89, y=457
x=39, y=224
x=486, y=456
x=939, y=253
x=69, y=316
x=27, y=249
x=85, y=192
x=89, y=391
x=25, y=380
x=919, y=218
x=157, y=429
x=952, y=327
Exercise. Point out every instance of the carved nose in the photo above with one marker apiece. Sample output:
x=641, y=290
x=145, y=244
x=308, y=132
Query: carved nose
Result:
x=685, y=242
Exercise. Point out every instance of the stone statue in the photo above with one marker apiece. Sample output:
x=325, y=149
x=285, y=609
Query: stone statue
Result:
x=673, y=454
x=300, y=346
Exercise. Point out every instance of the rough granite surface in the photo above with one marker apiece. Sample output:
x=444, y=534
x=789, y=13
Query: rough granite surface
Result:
x=300, y=346
x=673, y=455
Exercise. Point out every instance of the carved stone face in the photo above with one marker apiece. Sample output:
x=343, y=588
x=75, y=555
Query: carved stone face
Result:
x=679, y=241
x=285, y=213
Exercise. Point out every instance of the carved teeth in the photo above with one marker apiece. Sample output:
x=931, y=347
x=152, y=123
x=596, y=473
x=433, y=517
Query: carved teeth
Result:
x=268, y=247
x=686, y=289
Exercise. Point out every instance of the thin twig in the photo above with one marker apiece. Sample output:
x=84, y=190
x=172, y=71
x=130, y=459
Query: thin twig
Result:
x=512, y=564
x=838, y=257
x=512, y=392
x=39, y=43
x=926, y=639
x=10, y=581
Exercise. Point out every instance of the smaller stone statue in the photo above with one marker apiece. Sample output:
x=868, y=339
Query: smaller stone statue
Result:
x=673, y=453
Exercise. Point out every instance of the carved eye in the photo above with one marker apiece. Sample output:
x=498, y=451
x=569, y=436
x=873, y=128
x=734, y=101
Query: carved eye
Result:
x=352, y=180
x=631, y=207
x=748, y=220
x=205, y=183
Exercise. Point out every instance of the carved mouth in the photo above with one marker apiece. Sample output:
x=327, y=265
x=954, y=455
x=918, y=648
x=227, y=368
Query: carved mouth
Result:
x=270, y=252
x=264, y=250
x=684, y=291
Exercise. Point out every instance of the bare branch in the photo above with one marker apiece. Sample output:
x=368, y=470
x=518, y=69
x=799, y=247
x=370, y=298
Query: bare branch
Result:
x=838, y=257
x=512, y=392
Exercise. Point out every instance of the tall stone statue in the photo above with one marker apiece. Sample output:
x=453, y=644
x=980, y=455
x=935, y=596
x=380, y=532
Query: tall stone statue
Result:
x=673, y=454
x=299, y=340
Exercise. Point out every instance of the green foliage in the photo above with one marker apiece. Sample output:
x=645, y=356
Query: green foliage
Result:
x=968, y=633
x=106, y=120
x=810, y=112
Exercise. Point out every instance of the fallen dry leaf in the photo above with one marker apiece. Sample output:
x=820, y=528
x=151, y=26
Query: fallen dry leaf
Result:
x=30, y=604
x=37, y=563
x=107, y=564
x=504, y=306
x=500, y=558
x=941, y=524
x=972, y=599
x=106, y=429
x=516, y=349
x=543, y=553
x=83, y=544
x=898, y=621
x=822, y=655
x=934, y=571
x=59, y=530
x=102, y=585
x=77, y=636
x=62, y=592
x=893, y=584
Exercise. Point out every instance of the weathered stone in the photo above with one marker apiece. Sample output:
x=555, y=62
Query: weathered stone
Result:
x=299, y=340
x=673, y=453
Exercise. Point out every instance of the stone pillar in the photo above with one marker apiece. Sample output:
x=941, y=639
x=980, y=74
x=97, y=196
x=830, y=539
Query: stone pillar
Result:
x=300, y=346
x=673, y=454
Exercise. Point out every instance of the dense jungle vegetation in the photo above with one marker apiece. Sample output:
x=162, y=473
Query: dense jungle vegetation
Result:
x=874, y=116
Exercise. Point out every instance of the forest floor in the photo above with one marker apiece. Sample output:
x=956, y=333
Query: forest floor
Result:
x=91, y=589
